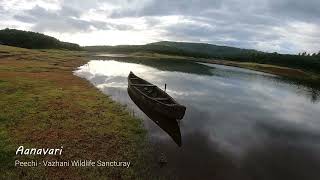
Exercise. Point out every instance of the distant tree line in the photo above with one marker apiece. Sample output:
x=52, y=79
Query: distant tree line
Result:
x=308, y=63
x=32, y=40
x=198, y=50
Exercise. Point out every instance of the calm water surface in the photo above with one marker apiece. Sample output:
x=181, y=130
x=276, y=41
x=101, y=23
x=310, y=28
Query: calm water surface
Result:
x=239, y=124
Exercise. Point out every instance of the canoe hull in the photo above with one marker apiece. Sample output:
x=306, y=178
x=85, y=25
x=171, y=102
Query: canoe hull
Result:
x=172, y=111
x=169, y=125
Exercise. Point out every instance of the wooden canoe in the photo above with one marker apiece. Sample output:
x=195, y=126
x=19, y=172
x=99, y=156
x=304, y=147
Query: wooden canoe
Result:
x=147, y=95
x=169, y=125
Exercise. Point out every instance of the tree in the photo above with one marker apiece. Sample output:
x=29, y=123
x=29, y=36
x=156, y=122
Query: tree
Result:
x=32, y=40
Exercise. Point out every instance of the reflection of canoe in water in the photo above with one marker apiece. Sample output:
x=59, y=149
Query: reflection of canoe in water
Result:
x=170, y=126
x=149, y=95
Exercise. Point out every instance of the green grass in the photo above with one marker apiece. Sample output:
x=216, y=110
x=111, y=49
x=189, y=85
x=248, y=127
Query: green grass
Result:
x=44, y=105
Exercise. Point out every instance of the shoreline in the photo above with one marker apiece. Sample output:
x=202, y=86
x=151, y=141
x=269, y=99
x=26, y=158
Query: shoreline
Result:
x=45, y=105
x=298, y=76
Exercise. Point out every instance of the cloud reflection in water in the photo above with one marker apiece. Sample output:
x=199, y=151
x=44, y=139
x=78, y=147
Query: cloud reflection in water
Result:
x=234, y=116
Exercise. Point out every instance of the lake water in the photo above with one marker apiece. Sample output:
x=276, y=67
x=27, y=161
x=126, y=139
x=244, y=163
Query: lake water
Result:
x=239, y=124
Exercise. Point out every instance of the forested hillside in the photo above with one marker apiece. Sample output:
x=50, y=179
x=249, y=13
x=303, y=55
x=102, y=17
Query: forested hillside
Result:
x=302, y=61
x=32, y=40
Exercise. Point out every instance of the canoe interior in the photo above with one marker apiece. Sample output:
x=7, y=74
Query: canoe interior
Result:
x=150, y=90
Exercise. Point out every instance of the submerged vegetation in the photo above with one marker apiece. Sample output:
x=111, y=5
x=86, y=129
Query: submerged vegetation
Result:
x=43, y=105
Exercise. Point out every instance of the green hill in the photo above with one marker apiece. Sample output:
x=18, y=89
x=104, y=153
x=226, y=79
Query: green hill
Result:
x=208, y=50
x=176, y=48
x=32, y=40
x=201, y=50
x=137, y=48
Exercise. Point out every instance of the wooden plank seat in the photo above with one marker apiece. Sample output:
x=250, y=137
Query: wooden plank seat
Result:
x=143, y=85
x=161, y=99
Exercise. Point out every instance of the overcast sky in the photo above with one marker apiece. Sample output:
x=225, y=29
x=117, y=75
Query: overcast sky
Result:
x=286, y=26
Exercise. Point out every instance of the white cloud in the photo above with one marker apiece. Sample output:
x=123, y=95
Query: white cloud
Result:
x=269, y=25
x=110, y=37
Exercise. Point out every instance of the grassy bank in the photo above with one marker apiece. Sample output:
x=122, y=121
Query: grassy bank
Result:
x=297, y=76
x=43, y=105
